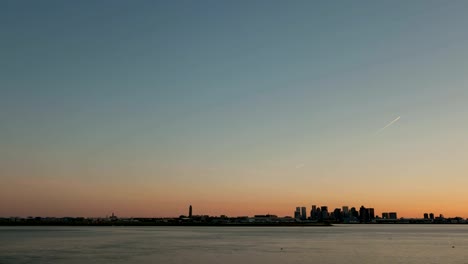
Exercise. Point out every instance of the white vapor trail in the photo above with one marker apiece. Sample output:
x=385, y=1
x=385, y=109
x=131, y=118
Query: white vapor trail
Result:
x=301, y=165
x=389, y=124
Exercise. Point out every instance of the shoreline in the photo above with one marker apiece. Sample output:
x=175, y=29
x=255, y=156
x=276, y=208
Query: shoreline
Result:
x=178, y=224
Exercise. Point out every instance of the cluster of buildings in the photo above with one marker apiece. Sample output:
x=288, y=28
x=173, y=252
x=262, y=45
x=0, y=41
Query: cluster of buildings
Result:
x=339, y=215
x=317, y=214
x=366, y=215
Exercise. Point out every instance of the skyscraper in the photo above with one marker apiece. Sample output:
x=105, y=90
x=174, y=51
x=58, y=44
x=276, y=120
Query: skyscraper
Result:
x=190, y=211
x=354, y=213
x=313, y=212
x=337, y=215
x=324, y=210
x=363, y=214
x=371, y=213
x=304, y=213
x=345, y=211
x=297, y=213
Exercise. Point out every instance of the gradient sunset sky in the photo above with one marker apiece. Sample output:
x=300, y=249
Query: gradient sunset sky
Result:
x=237, y=107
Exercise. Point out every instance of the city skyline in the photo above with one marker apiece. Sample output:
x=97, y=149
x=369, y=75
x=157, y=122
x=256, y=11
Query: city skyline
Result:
x=237, y=108
x=301, y=212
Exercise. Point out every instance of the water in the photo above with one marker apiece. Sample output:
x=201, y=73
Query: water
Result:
x=207, y=245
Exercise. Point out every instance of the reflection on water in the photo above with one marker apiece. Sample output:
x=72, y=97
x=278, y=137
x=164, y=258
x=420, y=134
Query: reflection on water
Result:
x=336, y=244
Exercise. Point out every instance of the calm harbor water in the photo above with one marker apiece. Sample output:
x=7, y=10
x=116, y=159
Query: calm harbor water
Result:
x=177, y=245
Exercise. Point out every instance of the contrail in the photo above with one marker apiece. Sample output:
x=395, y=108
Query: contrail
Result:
x=389, y=124
x=298, y=166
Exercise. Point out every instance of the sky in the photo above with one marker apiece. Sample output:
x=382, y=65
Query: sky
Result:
x=236, y=107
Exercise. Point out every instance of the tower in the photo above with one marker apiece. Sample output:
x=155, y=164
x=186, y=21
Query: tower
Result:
x=324, y=210
x=363, y=214
x=297, y=213
x=345, y=211
x=190, y=211
x=313, y=212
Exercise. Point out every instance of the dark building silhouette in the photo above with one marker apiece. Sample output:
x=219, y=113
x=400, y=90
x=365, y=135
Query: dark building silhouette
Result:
x=426, y=216
x=324, y=210
x=431, y=216
x=190, y=211
x=303, y=213
x=337, y=215
x=297, y=213
x=364, y=214
x=354, y=213
x=391, y=215
x=345, y=211
x=313, y=212
x=370, y=211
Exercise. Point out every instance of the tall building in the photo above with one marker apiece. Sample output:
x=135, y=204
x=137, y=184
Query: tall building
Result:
x=371, y=213
x=431, y=216
x=324, y=210
x=190, y=211
x=354, y=213
x=304, y=213
x=297, y=213
x=426, y=216
x=337, y=215
x=385, y=216
x=392, y=215
x=345, y=211
x=313, y=212
x=363, y=214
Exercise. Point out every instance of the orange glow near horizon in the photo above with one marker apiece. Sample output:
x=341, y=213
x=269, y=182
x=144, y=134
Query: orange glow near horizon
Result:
x=59, y=198
x=350, y=176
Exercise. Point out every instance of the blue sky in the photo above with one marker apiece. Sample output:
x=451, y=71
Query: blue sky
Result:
x=127, y=91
